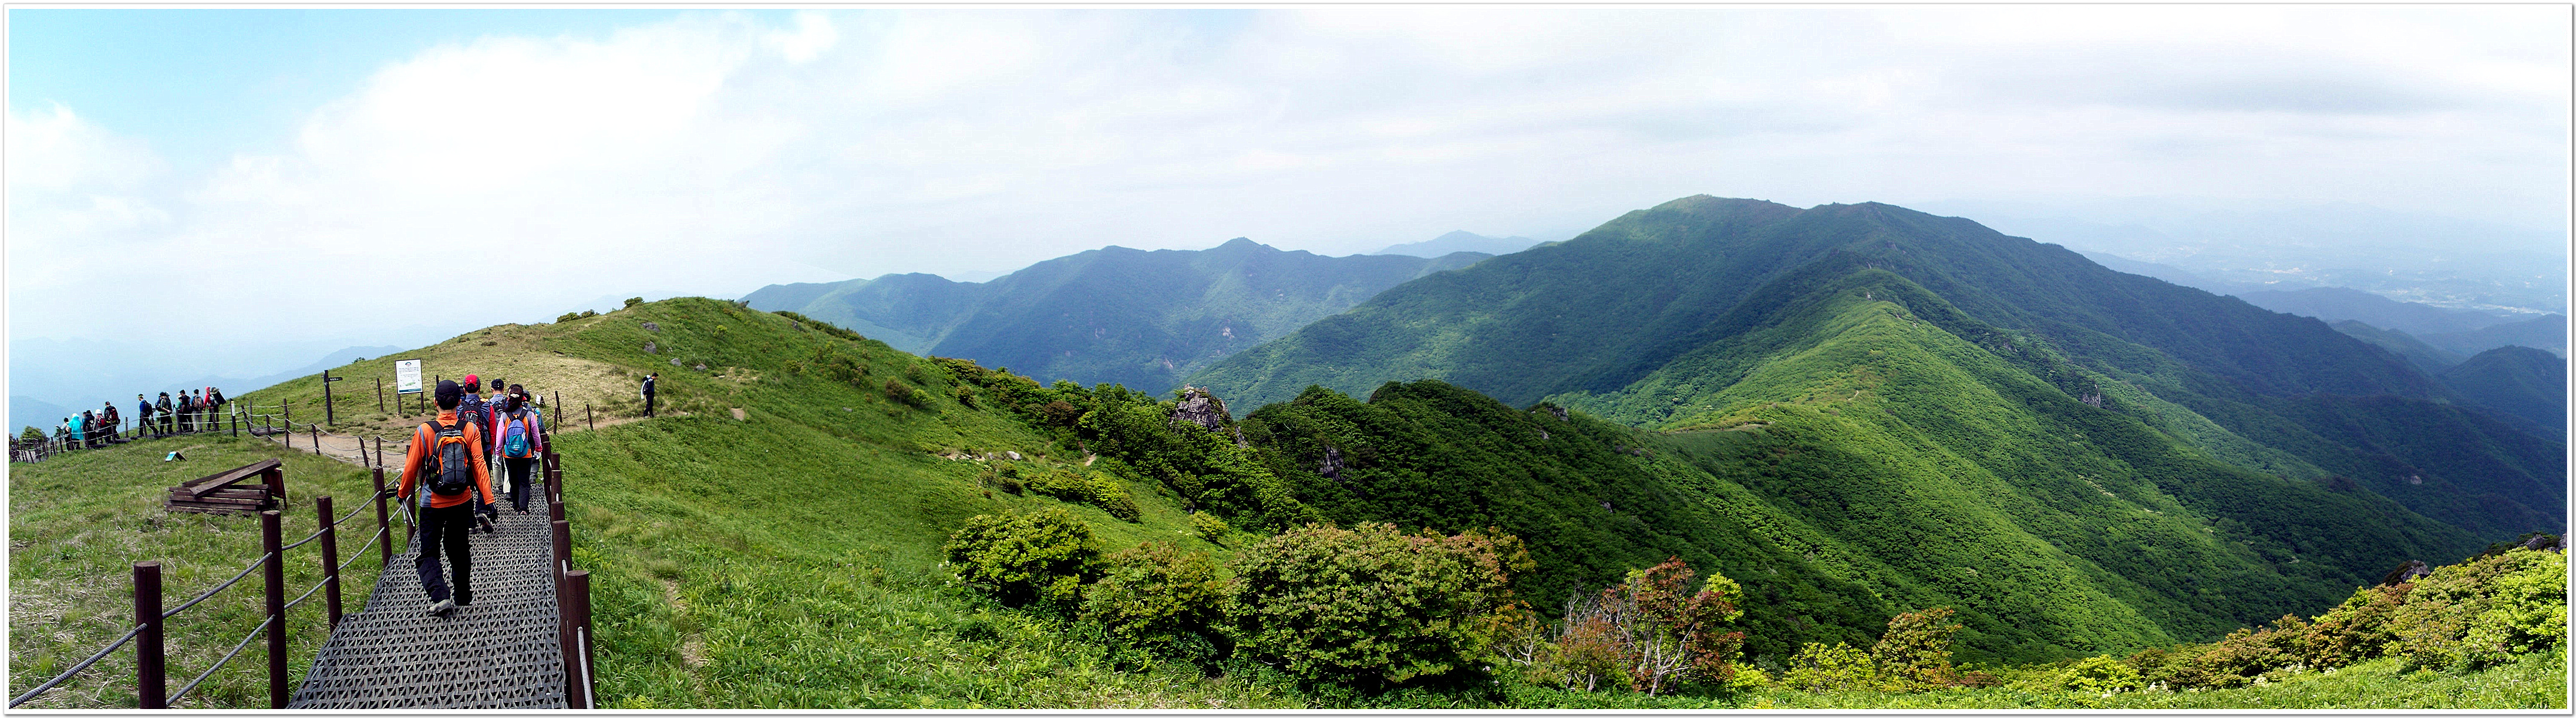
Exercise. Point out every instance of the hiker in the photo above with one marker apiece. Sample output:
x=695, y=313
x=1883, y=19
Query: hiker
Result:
x=142, y=415
x=470, y=408
x=522, y=438
x=443, y=459
x=115, y=424
x=169, y=414
x=214, y=403
x=648, y=393
x=80, y=430
x=187, y=412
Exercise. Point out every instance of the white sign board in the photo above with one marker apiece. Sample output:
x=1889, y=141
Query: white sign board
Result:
x=407, y=376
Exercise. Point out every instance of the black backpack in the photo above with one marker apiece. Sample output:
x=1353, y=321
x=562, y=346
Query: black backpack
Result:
x=451, y=461
x=470, y=410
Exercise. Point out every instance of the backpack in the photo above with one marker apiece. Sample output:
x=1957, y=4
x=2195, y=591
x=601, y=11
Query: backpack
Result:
x=451, y=464
x=470, y=409
x=514, y=438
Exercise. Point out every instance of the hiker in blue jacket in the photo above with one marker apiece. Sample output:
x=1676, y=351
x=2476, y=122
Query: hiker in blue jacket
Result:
x=142, y=416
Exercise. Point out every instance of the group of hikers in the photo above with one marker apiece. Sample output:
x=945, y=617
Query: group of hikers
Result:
x=447, y=475
x=193, y=410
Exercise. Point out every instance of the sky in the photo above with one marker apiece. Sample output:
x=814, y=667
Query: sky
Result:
x=316, y=178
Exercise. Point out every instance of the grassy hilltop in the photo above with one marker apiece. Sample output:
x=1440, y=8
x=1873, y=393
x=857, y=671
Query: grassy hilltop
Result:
x=793, y=557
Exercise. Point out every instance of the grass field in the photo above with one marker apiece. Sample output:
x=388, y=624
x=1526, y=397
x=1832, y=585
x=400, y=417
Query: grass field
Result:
x=78, y=523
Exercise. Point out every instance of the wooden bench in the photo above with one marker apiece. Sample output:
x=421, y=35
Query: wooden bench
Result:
x=227, y=493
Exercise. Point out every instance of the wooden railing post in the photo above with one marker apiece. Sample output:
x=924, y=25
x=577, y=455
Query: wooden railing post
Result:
x=276, y=579
x=317, y=439
x=150, y=689
x=330, y=558
x=384, y=525
x=581, y=683
x=276, y=479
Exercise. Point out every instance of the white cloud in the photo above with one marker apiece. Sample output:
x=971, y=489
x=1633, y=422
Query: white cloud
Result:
x=718, y=153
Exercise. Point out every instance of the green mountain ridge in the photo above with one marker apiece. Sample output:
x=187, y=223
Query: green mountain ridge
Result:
x=1665, y=308
x=1118, y=315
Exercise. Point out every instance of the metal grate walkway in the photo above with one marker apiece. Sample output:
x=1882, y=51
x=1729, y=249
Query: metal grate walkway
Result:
x=500, y=652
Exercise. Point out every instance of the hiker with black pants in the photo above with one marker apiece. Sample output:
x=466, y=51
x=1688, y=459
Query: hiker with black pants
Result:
x=648, y=393
x=142, y=416
x=522, y=439
x=115, y=424
x=169, y=415
x=446, y=459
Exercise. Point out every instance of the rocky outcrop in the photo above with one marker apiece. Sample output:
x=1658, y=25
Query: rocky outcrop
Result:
x=1332, y=465
x=2405, y=572
x=1199, y=407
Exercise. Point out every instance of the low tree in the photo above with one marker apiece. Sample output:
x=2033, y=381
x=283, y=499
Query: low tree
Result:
x=1372, y=604
x=1042, y=558
x=1914, y=654
x=1653, y=628
x=1156, y=597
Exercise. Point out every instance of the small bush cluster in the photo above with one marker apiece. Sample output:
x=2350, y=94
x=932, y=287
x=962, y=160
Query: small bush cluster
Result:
x=1042, y=558
x=569, y=316
x=1649, y=633
x=1913, y=655
x=1369, y=605
x=1088, y=487
x=2466, y=616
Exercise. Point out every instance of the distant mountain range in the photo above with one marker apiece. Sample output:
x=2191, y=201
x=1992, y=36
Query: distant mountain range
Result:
x=1929, y=392
x=1137, y=318
x=1461, y=241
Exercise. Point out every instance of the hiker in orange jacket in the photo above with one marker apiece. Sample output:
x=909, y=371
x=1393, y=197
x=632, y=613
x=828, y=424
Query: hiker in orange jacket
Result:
x=446, y=456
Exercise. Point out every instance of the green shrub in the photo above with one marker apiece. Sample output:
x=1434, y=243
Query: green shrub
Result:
x=2476, y=614
x=2100, y=674
x=1819, y=667
x=1372, y=605
x=901, y=394
x=1088, y=487
x=567, y=316
x=1208, y=527
x=1040, y=558
x=2357, y=630
x=632, y=301
x=1914, y=654
x=1156, y=597
x=1652, y=628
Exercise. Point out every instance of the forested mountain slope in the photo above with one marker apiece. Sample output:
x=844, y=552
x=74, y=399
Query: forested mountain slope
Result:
x=1132, y=317
x=1653, y=318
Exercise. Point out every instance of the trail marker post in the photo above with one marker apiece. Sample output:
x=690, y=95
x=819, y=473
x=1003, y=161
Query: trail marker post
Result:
x=328, y=417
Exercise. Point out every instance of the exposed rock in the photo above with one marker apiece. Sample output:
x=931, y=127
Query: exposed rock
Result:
x=675, y=361
x=1332, y=465
x=1015, y=456
x=2405, y=572
x=1198, y=407
x=1560, y=412
x=2545, y=542
x=649, y=348
x=652, y=327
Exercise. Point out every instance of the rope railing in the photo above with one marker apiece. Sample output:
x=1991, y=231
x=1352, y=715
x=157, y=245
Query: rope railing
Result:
x=151, y=620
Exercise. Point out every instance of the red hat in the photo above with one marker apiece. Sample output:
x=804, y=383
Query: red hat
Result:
x=469, y=379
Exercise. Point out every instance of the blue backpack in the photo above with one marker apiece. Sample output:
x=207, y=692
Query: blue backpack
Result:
x=514, y=437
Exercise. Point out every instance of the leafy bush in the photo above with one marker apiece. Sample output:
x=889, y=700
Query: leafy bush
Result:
x=1914, y=654
x=1819, y=667
x=1089, y=487
x=2476, y=614
x=567, y=316
x=2100, y=674
x=1156, y=597
x=1208, y=527
x=1371, y=604
x=1042, y=558
x=1651, y=628
x=895, y=390
x=632, y=301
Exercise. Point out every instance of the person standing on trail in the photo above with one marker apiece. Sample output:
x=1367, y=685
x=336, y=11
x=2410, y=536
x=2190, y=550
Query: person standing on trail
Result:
x=115, y=424
x=142, y=415
x=648, y=394
x=80, y=430
x=169, y=414
x=522, y=438
x=444, y=459
x=214, y=403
